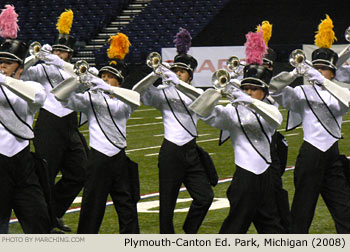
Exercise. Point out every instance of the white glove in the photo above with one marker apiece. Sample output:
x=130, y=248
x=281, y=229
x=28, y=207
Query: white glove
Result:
x=93, y=70
x=52, y=59
x=2, y=78
x=169, y=77
x=240, y=96
x=99, y=84
x=46, y=48
x=314, y=75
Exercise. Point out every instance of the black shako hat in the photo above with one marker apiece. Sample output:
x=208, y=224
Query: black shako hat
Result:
x=270, y=57
x=186, y=62
x=325, y=57
x=64, y=42
x=116, y=67
x=13, y=49
x=256, y=75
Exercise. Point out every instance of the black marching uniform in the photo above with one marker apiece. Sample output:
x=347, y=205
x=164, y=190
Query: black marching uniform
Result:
x=321, y=113
x=20, y=188
x=180, y=159
x=57, y=138
x=109, y=170
x=251, y=192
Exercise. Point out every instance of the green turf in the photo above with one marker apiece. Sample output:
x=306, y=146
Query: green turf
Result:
x=143, y=136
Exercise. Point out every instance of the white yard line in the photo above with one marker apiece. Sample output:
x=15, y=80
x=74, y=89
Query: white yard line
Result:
x=136, y=118
x=152, y=154
x=293, y=134
x=208, y=140
x=142, y=110
x=145, y=148
x=144, y=124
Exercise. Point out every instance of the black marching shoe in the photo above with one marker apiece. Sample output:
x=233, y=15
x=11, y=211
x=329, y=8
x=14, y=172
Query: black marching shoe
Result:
x=62, y=226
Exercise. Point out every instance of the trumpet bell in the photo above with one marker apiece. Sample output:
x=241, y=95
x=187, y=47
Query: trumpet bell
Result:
x=347, y=34
x=81, y=67
x=233, y=63
x=34, y=48
x=153, y=60
x=297, y=57
x=220, y=78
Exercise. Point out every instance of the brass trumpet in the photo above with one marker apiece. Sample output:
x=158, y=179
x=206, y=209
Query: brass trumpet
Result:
x=298, y=60
x=234, y=64
x=81, y=67
x=347, y=34
x=344, y=55
x=154, y=61
x=35, y=49
x=220, y=79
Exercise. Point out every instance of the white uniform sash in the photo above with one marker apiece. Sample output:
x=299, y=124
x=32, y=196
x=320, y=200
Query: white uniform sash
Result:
x=103, y=116
x=53, y=79
x=322, y=112
x=180, y=111
x=254, y=131
x=12, y=121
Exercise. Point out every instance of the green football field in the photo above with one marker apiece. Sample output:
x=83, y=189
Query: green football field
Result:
x=144, y=137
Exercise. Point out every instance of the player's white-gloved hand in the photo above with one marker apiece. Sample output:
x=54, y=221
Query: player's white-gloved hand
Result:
x=93, y=70
x=314, y=75
x=99, y=84
x=49, y=58
x=240, y=96
x=169, y=77
x=46, y=48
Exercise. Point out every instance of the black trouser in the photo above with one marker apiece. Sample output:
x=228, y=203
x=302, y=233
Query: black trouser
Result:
x=177, y=165
x=315, y=174
x=251, y=199
x=20, y=190
x=279, y=152
x=59, y=142
x=108, y=175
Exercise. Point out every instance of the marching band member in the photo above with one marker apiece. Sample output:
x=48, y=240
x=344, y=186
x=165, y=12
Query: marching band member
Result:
x=320, y=108
x=109, y=170
x=279, y=145
x=57, y=138
x=251, y=192
x=179, y=157
x=20, y=189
